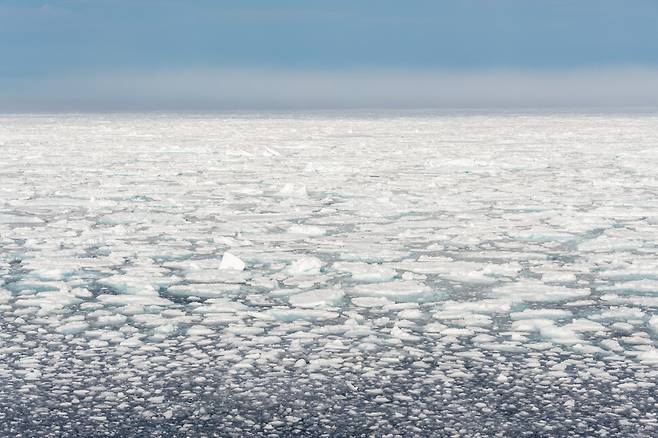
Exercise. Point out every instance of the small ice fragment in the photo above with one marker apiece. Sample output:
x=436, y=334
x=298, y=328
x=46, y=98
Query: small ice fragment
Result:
x=402, y=334
x=269, y=152
x=199, y=330
x=653, y=323
x=502, y=378
x=318, y=297
x=305, y=266
x=72, y=327
x=535, y=291
x=229, y=261
x=396, y=289
x=306, y=230
x=202, y=290
x=292, y=190
x=370, y=301
x=541, y=313
x=366, y=273
x=17, y=219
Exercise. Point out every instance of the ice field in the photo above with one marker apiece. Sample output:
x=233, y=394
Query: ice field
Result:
x=329, y=275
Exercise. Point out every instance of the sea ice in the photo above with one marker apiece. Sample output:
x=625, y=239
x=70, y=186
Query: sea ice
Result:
x=305, y=266
x=465, y=275
x=401, y=290
x=229, y=261
x=317, y=297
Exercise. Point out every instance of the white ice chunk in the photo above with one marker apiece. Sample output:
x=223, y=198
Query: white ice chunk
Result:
x=220, y=306
x=653, y=324
x=293, y=191
x=548, y=329
x=487, y=306
x=218, y=276
x=202, y=290
x=365, y=272
x=229, y=261
x=535, y=291
x=585, y=325
x=558, y=277
x=72, y=327
x=541, y=314
x=307, y=230
x=49, y=301
x=391, y=289
x=403, y=334
x=639, y=286
x=297, y=314
x=371, y=301
x=318, y=297
x=125, y=284
x=124, y=300
x=111, y=320
x=199, y=330
x=620, y=313
x=305, y=266
x=649, y=357
x=18, y=219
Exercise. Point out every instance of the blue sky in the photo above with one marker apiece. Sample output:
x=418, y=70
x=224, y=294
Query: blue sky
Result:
x=47, y=47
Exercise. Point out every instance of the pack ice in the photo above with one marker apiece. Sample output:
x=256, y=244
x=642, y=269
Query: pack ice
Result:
x=328, y=275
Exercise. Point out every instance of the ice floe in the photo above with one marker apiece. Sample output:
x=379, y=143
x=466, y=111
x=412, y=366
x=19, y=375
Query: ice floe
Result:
x=229, y=261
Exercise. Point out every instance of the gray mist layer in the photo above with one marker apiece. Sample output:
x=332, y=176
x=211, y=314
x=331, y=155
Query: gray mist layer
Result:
x=236, y=89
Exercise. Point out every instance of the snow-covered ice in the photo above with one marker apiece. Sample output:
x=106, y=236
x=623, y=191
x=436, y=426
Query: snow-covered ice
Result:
x=328, y=275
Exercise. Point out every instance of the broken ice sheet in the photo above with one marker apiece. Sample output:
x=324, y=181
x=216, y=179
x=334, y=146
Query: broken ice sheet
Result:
x=412, y=275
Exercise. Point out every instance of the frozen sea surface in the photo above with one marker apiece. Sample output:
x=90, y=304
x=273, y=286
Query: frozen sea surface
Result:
x=333, y=275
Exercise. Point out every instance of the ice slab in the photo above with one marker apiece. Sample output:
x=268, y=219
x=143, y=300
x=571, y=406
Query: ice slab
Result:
x=317, y=297
x=392, y=289
x=229, y=261
x=202, y=290
x=292, y=190
x=541, y=314
x=536, y=291
x=218, y=276
x=6, y=218
x=371, y=301
x=305, y=266
x=365, y=272
x=306, y=230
